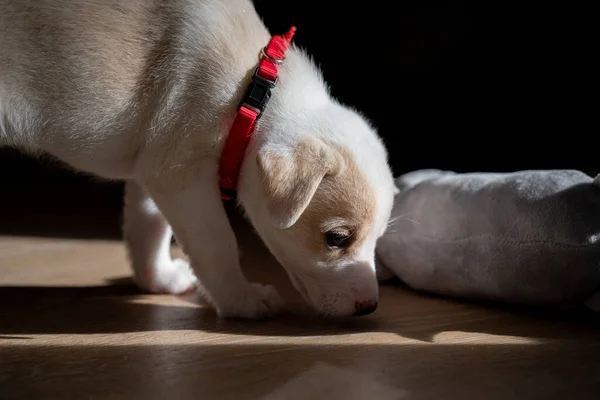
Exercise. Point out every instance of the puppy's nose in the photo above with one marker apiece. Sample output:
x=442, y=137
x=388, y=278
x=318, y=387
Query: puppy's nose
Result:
x=364, y=307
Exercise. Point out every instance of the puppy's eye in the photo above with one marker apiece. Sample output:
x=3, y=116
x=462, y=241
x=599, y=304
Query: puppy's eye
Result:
x=337, y=240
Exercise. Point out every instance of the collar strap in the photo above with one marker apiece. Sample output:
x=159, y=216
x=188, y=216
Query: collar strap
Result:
x=250, y=109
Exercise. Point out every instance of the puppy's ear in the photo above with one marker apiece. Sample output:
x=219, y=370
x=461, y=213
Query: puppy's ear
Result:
x=291, y=176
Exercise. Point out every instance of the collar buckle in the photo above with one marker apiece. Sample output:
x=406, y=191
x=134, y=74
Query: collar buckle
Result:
x=258, y=93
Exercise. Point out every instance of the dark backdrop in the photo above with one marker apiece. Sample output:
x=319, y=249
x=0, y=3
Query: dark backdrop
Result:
x=449, y=84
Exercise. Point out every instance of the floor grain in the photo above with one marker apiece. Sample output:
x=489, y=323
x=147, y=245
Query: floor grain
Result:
x=72, y=325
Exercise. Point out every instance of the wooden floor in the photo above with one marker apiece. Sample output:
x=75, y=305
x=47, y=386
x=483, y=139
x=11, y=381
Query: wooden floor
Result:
x=73, y=326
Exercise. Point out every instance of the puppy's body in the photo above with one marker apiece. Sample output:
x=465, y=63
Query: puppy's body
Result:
x=95, y=82
x=146, y=91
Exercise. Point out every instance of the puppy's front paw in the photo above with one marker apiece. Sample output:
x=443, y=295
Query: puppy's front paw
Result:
x=256, y=301
x=175, y=277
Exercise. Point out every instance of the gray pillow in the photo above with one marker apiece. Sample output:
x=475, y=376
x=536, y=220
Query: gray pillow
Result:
x=530, y=237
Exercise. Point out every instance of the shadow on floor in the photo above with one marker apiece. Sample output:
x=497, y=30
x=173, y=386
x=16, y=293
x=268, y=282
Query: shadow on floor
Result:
x=120, y=308
x=113, y=308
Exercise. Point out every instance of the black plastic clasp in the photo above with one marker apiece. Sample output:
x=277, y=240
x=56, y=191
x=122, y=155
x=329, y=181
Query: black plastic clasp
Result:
x=258, y=93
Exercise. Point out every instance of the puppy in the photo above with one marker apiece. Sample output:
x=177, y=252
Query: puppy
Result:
x=147, y=91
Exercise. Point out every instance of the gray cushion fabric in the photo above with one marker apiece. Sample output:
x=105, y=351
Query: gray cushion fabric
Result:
x=530, y=237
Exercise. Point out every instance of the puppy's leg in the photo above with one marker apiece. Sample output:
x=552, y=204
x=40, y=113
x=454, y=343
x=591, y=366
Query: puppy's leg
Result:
x=201, y=226
x=148, y=239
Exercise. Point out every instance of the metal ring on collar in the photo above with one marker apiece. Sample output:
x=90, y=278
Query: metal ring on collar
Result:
x=263, y=54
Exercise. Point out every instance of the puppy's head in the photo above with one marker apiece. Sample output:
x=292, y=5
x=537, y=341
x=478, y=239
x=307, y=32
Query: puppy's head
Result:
x=321, y=214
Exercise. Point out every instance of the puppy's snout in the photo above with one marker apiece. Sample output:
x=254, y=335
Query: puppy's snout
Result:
x=364, y=307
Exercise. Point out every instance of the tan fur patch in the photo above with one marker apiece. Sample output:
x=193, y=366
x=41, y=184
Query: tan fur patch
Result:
x=324, y=184
x=345, y=201
x=289, y=182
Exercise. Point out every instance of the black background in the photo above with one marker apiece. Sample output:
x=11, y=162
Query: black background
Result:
x=454, y=85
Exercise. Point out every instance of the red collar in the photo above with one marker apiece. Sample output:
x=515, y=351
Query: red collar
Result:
x=250, y=110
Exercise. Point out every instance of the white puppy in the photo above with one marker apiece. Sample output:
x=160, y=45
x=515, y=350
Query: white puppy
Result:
x=146, y=91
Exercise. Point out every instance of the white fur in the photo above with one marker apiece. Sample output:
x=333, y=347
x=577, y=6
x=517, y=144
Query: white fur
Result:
x=145, y=91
